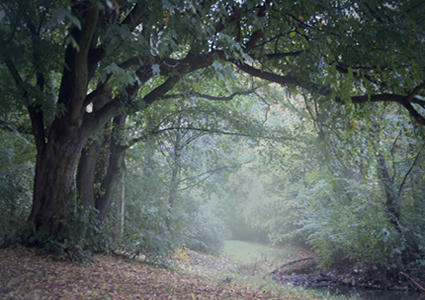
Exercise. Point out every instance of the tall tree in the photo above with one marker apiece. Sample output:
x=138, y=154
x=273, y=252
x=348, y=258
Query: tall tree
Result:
x=76, y=65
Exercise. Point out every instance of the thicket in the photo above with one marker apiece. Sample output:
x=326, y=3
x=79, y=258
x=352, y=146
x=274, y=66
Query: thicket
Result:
x=365, y=205
x=155, y=229
x=16, y=177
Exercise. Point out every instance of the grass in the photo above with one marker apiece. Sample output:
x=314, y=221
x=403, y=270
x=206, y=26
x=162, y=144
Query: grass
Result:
x=249, y=252
x=251, y=263
x=254, y=260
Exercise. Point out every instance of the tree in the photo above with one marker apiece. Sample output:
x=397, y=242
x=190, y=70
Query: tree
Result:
x=357, y=206
x=78, y=65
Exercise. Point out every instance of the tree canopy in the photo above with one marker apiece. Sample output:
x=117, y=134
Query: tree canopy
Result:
x=79, y=69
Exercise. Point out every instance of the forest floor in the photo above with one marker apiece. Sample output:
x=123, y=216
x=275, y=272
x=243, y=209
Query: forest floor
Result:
x=24, y=274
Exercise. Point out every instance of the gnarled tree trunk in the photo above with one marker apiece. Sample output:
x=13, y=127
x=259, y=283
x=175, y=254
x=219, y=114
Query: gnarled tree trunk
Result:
x=54, y=178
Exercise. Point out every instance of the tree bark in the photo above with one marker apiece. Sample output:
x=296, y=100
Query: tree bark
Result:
x=54, y=177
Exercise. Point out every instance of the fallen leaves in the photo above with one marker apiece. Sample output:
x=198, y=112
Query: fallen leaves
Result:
x=23, y=275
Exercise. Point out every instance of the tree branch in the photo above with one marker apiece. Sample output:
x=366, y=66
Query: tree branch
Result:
x=134, y=18
x=81, y=64
x=209, y=97
x=96, y=120
x=281, y=79
x=410, y=169
x=282, y=55
x=415, y=91
x=36, y=115
x=418, y=101
x=312, y=87
x=161, y=90
x=210, y=173
x=224, y=133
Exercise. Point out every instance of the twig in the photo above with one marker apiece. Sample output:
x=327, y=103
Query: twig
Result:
x=411, y=167
x=413, y=281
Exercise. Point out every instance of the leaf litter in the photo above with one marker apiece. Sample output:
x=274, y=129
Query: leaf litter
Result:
x=25, y=275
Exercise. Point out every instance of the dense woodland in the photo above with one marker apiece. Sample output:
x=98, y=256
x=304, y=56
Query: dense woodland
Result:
x=146, y=126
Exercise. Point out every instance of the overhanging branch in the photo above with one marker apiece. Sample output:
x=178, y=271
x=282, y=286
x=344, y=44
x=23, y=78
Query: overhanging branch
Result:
x=321, y=90
x=209, y=97
x=281, y=79
x=209, y=173
x=225, y=133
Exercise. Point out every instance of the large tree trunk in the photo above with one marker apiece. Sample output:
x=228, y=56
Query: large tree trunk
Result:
x=93, y=163
x=59, y=148
x=93, y=167
x=54, y=178
x=120, y=206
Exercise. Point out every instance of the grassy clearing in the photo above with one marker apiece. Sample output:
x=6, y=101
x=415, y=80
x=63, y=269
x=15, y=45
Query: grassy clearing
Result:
x=250, y=264
x=258, y=260
x=254, y=262
x=246, y=251
x=251, y=253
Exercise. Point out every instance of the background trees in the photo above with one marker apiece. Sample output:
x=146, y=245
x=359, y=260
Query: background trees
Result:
x=89, y=80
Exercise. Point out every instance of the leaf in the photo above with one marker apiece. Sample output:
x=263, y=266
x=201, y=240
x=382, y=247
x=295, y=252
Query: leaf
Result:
x=156, y=70
x=70, y=40
x=196, y=87
x=63, y=15
x=217, y=65
x=114, y=69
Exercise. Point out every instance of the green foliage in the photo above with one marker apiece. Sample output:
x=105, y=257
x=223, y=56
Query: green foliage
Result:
x=81, y=235
x=145, y=229
x=348, y=223
x=206, y=235
x=353, y=212
x=16, y=173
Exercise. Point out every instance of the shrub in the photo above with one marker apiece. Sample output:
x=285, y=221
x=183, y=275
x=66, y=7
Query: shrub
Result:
x=16, y=177
x=349, y=225
x=81, y=235
x=207, y=234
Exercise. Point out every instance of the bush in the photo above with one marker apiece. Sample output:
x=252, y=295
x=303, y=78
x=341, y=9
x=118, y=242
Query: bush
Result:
x=355, y=228
x=16, y=178
x=206, y=235
x=82, y=234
